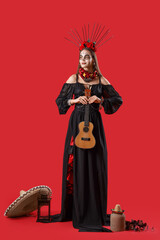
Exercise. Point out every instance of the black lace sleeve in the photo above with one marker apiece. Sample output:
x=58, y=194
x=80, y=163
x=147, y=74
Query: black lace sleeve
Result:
x=112, y=99
x=65, y=94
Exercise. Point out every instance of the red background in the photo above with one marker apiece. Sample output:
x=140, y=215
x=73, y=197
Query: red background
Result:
x=36, y=60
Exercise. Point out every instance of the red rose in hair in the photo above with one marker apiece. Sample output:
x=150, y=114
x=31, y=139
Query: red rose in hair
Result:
x=83, y=45
x=90, y=45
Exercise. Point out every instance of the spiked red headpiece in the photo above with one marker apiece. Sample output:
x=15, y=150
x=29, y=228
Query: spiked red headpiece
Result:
x=93, y=40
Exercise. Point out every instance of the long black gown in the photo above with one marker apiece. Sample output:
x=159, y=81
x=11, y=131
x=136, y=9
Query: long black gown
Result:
x=84, y=182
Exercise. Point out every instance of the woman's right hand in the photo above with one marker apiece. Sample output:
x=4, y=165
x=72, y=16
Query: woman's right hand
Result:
x=81, y=99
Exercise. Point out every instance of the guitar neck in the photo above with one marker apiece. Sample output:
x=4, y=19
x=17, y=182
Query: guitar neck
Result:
x=86, y=115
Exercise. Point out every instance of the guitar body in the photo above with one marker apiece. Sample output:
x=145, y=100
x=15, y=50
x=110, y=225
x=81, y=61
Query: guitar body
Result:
x=85, y=138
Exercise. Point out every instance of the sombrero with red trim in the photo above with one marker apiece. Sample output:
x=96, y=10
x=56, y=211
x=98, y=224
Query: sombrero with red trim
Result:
x=27, y=201
x=117, y=209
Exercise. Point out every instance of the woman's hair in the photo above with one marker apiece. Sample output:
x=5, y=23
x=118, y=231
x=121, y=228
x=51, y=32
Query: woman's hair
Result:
x=95, y=66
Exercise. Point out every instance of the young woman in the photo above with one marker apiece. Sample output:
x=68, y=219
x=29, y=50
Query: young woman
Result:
x=84, y=183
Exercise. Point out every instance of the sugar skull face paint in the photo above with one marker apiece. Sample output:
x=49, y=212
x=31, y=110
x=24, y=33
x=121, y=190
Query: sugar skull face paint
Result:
x=86, y=60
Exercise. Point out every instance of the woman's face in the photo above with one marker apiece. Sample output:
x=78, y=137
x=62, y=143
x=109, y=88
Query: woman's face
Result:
x=86, y=60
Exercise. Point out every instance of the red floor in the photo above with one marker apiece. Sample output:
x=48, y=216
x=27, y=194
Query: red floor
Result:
x=28, y=228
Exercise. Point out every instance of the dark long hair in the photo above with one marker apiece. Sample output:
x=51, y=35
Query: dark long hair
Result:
x=95, y=67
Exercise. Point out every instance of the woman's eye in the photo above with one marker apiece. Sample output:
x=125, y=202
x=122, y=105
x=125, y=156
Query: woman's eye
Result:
x=85, y=57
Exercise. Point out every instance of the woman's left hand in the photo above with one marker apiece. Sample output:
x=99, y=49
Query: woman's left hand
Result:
x=95, y=99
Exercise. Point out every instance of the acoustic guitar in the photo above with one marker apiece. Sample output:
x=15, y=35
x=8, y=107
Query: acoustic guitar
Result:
x=85, y=138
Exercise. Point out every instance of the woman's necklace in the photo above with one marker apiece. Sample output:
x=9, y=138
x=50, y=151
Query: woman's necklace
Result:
x=86, y=76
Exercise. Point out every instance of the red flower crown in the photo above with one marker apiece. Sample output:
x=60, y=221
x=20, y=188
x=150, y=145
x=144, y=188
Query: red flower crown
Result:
x=88, y=44
x=90, y=39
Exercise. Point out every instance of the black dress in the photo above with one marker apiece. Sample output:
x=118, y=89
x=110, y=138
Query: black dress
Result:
x=84, y=182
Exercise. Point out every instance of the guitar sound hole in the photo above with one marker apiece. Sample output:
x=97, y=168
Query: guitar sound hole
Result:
x=85, y=129
x=85, y=139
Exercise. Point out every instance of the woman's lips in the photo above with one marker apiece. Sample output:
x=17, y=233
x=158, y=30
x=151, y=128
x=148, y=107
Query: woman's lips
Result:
x=83, y=63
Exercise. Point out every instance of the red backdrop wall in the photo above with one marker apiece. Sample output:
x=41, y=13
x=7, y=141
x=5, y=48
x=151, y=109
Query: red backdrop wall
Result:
x=36, y=61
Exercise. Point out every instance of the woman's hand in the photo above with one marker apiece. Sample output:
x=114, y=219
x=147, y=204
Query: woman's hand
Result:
x=81, y=99
x=94, y=99
x=84, y=100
